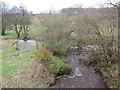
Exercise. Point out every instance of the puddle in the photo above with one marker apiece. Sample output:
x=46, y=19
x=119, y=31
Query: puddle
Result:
x=17, y=55
x=28, y=42
x=26, y=47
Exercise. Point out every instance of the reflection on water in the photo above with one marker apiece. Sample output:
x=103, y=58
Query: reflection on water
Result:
x=28, y=42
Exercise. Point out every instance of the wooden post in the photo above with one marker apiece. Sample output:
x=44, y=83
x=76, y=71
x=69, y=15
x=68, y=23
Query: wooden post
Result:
x=36, y=45
x=17, y=48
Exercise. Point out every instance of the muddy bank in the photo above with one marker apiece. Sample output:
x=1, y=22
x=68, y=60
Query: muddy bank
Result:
x=81, y=76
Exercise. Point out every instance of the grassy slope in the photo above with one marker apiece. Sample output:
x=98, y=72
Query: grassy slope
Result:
x=20, y=67
x=23, y=71
x=10, y=65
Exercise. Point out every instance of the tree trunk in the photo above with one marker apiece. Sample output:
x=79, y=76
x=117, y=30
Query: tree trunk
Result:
x=3, y=31
x=25, y=27
x=36, y=45
x=17, y=47
x=3, y=27
x=16, y=29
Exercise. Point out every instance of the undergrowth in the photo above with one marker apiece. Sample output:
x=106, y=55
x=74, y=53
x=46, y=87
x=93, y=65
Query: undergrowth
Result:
x=55, y=64
x=105, y=59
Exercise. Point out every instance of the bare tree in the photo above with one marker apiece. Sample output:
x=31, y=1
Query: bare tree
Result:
x=15, y=20
x=25, y=21
x=4, y=16
x=20, y=18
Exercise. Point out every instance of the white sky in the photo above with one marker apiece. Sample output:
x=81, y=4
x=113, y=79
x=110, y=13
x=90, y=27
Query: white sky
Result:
x=44, y=5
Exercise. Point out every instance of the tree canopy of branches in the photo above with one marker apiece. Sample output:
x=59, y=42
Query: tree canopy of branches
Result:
x=4, y=17
x=17, y=17
x=20, y=18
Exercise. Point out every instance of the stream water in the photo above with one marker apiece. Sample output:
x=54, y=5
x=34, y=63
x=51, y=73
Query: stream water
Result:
x=81, y=76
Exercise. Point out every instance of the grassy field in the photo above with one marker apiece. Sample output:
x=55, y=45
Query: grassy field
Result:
x=22, y=69
x=10, y=65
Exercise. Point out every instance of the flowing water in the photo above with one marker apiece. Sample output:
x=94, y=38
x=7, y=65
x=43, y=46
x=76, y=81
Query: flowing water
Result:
x=81, y=76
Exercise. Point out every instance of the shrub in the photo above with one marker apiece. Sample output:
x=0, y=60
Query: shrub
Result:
x=107, y=65
x=55, y=64
x=43, y=54
x=106, y=59
x=58, y=65
x=80, y=43
x=55, y=30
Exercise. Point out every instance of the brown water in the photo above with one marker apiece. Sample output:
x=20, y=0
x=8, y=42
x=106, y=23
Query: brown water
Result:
x=81, y=76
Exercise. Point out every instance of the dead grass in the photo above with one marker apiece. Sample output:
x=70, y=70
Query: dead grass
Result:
x=3, y=44
x=33, y=75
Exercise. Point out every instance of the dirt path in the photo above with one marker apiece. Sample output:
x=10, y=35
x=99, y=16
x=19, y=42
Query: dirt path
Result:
x=80, y=77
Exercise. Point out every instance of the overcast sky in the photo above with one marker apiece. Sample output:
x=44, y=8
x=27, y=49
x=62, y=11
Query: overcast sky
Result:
x=44, y=5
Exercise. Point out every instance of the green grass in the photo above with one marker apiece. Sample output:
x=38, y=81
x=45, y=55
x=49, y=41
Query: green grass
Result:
x=54, y=63
x=0, y=68
x=9, y=50
x=74, y=34
x=8, y=47
x=10, y=34
x=16, y=53
x=8, y=70
x=9, y=66
x=22, y=68
x=57, y=65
